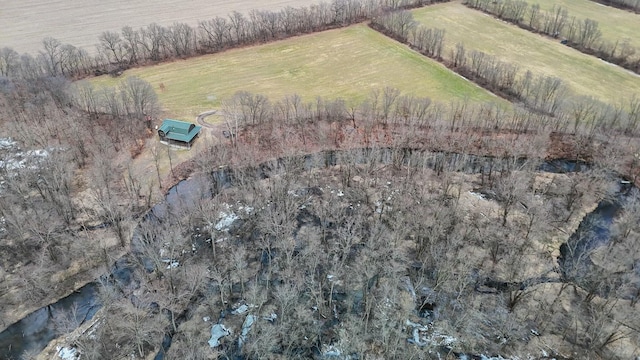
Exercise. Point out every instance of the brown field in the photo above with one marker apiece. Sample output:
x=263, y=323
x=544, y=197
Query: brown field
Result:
x=26, y=22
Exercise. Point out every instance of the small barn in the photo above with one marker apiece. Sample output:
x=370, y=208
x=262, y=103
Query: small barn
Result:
x=176, y=132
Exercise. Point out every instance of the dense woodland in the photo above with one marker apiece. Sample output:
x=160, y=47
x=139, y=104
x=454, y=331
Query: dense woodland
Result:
x=428, y=231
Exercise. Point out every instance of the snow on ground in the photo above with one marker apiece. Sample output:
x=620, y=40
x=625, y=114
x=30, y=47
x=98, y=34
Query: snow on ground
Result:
x=66, y=353
x=13, y=158
x=7, y=143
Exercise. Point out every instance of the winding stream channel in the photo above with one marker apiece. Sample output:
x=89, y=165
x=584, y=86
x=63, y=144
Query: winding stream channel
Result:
x=36, y=330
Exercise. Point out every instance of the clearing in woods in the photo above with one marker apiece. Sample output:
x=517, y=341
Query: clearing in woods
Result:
x=346, y=63
x=585, y=74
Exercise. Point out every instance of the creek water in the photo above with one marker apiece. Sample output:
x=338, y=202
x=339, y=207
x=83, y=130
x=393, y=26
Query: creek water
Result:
x=35, y=331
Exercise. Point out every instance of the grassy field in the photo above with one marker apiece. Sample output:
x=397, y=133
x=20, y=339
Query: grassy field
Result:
x=615, y=24
x=349, y=63
x=585, y=74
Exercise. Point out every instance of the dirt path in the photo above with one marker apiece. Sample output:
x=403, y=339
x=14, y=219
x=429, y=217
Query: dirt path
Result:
x=214, y=131
x=200, y=119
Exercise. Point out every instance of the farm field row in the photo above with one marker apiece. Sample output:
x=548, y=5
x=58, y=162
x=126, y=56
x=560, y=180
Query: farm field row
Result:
x=586, y=75
x=79, y=23
x=346, y=63
x=615, y=24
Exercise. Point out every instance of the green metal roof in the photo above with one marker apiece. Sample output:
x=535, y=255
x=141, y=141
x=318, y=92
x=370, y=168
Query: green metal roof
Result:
x=179, y=130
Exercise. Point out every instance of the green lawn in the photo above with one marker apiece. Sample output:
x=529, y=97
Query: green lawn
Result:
x=615, y=24
x=349, y=63
x=585, y=74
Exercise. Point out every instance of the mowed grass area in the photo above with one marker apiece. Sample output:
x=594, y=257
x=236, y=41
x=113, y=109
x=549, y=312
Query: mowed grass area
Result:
x=586, y=75
x=615, y=24
x=346, y=63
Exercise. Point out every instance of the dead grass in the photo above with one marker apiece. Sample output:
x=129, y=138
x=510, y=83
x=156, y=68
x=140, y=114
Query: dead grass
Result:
x=615, y=24
x=346, y=63
x=585, y=74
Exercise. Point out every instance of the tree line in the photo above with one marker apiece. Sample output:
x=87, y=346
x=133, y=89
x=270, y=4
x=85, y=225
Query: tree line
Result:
x=117, y=51
x=539, y=93
x=632, y=5
x=581, y=34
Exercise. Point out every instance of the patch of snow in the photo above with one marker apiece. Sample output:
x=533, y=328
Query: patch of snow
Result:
x=271, y=318
x=206, y=319
x=91, y=331
x=408, y=286
x=19, y=160
x=7, y=143
x=37, y=153
x=172, y=264
x=246, y=327
x=218, y=331
x=226, y=219
x=340, y=193
x=420, y=337
x=447, y=340
x=241, y=309
x=416, y=332
x=66, y=353
x=378, y=205
x=331, y=351
x=477, y=195
x=13, y=164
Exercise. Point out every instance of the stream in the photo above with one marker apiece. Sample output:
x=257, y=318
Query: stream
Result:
x=36, y=330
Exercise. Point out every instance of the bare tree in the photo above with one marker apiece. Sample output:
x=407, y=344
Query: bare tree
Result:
x=132, y=40
x=141, y=99
x=182, y=39
x=113, y=46
x=9, y=60
x=51, y=56
x=589, y=33
x=215, y=33
x=555, y=21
